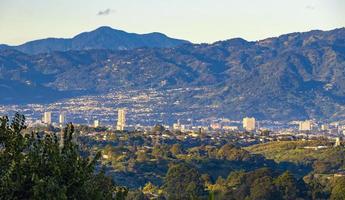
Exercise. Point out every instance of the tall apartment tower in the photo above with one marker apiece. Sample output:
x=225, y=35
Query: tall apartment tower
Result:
x=121, y=119
x=305, y=125
x=249, y=124
x=47, y=118
x=62, y=118
x=337, y=142
x=96, y=123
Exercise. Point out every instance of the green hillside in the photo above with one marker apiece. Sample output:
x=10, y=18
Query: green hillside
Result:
x=325, y=160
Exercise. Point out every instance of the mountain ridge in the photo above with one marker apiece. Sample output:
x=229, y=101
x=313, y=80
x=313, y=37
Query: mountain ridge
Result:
x=103, y=37
x=294, y=76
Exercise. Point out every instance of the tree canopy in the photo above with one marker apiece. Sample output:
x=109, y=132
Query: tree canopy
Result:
x=44, y=166
x=183, y=182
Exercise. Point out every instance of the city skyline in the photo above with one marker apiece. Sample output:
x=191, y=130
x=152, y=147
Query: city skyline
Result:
x=183, y=100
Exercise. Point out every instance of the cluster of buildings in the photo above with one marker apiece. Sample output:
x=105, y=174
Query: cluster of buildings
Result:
x=121, y=119
x=293, y=130
x=249, y=124
x=47, y=118
x=310, y=126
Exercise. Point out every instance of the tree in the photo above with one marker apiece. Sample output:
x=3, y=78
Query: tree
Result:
x=161, y=151
x=231, y=152
x=236, y=178
x=207, y=179
x=317, y=189
x=157, y=152
x=34, y=166
x=158, y=128
x=322, y=167
x=183, y=182
x=136, y=195
x=263, y=189
x=287, y=186
x=176, y=149
x=338, y=191
x=142, y=155
x=149, y=188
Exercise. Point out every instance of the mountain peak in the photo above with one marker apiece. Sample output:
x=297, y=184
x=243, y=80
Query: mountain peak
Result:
x=104, y=28
x=103, y=37
x=237, y=41
x=296, y=76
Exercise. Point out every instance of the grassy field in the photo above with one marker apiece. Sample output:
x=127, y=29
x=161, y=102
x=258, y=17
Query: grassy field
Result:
x=294, y=151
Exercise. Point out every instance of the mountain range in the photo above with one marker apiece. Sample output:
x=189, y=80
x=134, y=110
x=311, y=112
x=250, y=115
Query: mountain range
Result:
x=102, y=38
x=293, y=76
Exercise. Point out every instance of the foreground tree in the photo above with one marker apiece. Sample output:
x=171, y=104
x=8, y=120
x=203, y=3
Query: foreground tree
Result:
x=34, y=166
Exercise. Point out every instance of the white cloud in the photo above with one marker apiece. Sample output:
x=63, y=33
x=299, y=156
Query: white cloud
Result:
x=105, y=12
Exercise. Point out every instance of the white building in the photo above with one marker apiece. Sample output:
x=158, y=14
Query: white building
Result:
x=305, y=125
x=62, y=118
x=249, y=123
x=121, y=119
x=47, y=118
x=337, y=142
x=177, y=126
x=324, y=127
x=96, y=123
x=230, y=128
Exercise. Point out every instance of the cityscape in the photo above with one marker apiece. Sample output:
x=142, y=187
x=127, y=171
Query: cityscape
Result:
x=172, y=100
x=143, y=112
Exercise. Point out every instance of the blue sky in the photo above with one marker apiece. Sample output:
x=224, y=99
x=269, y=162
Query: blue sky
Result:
x=194, y=20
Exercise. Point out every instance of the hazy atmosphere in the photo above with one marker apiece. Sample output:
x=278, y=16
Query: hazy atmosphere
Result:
x=172, y=99
x=193, y=20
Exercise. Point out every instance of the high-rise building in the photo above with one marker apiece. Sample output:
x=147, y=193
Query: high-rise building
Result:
x=249, y=123
x=305, y=125
x=337, y=142
x=324, y=127
x=96, y=123
x=177, y=126
x=121, y=119
x=47, y=118
x=62, y=118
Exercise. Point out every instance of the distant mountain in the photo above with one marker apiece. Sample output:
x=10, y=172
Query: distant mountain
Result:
x=101, y=38
x=4, y=46
x=294, y=76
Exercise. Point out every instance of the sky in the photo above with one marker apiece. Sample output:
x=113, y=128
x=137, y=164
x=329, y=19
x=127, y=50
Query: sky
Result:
x=194, y=20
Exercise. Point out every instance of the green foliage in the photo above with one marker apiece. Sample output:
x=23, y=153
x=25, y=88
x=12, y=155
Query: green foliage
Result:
x=338, y=191
x=259, y=184
x=35, y=166
x=176, y=149
x=322, y=160
x=136, y=195
x=287, y=186
x=161, y=152
x=263, y=189
x=230, y=152
x=158, y=128
x=317, y=188
x=183, y=182
x=138, y=159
